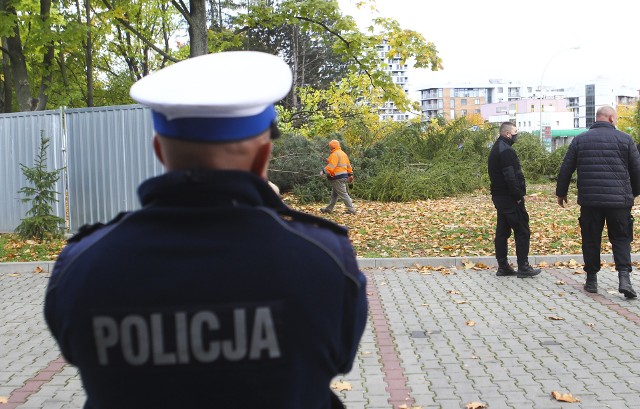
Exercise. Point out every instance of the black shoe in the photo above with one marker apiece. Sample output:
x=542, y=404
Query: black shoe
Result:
x=591, y=285
x=624, y=285
x=526, y=270
x=505, y=269
x=325, y=210
x=350, y=212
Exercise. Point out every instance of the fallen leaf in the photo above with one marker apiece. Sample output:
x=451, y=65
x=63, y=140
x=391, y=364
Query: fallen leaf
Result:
x=14, y=275
x=38, y=269
x=572, y=263
x=468, y=265
x=556, y=318
x=453, y=292
x=551, y=308
x=561, y=294
x=564, y=397
x=4, y=399
x=543, y=264
x=366, y=352
x=560, y=282
x=471, y=323
x=461, y=302
x=591, y=324
x=424, y=305
x=476, y=405
x=341, y=386
x=578, y=272
x=481, y=266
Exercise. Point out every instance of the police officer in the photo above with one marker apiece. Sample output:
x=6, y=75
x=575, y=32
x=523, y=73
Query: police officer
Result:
x=215, y=293
x=508, y=189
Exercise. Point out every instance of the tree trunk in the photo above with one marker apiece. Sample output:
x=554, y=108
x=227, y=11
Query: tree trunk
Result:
x=198, y=34
x=295, y=63
x=89, y=54
x=47, y=59
x=18, y=63
x=7, y=89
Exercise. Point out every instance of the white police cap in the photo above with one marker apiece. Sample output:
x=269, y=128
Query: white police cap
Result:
x=217, y=97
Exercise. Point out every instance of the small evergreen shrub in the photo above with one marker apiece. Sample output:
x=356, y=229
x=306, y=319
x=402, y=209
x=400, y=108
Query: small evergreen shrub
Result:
x=40, y=223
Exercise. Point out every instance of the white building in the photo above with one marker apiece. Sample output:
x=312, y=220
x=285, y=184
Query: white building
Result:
x=398, y=72
x=585, y=99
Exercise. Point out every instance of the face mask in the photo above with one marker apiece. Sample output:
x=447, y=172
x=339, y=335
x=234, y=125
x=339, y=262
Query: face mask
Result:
x=514, y=138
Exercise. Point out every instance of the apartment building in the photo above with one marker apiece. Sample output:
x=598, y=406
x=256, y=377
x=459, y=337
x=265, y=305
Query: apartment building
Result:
x=397, y=69
x=584, y=99
x=464, y=99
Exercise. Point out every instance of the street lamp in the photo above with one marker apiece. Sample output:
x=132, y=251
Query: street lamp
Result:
x=542, y=79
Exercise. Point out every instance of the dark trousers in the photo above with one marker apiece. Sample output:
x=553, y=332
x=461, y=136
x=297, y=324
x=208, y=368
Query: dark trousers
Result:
x=620, y=232
x=512, y=216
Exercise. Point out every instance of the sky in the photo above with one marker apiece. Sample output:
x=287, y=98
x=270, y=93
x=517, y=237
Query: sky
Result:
x=531, y=42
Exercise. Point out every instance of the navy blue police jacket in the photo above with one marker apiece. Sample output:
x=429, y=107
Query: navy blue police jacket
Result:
x=214, y=294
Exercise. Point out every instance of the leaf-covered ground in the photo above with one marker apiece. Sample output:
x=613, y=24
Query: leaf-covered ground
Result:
x=459, y=226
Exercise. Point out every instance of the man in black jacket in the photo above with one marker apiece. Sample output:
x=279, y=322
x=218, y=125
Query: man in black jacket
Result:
x=508, y=189
x=608, y=165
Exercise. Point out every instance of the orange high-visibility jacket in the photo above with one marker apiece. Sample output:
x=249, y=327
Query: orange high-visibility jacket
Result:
x=338, y=164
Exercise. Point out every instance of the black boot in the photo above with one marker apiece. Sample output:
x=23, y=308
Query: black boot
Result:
x=504, y=268
x=624, y=285
x=525, y=270
x=591, y=285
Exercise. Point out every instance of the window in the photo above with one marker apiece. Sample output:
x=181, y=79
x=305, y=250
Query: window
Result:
x=500, y=90
x=464, y=112
x=529, y=89
x=477, y=101
x=452, y=114
x=463, y=102
x=452, y=103
x=477, y=111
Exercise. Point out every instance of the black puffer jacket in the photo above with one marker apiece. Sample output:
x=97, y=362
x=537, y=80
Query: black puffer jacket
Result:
x=505, y=171
x=608, y=165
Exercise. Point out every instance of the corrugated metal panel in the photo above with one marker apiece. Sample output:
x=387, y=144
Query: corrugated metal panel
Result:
x=109, y=153
x=20, y=143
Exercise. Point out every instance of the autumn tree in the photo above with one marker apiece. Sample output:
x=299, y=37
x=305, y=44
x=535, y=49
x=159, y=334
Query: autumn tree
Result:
x=629, y=120
x=30, y=86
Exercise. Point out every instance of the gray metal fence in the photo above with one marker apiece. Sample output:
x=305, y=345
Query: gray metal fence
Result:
x=106, y=153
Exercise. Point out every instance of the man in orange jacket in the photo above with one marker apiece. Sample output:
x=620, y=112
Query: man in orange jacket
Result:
x=339, y=173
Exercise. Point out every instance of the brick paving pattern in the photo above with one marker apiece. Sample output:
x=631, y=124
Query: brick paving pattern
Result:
x=420, y=350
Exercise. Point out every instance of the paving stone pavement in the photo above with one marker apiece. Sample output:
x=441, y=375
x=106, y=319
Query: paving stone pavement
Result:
x=436, y=338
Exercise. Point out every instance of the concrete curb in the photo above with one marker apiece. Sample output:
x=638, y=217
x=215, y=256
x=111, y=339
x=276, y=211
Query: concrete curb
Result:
x=457, y=262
